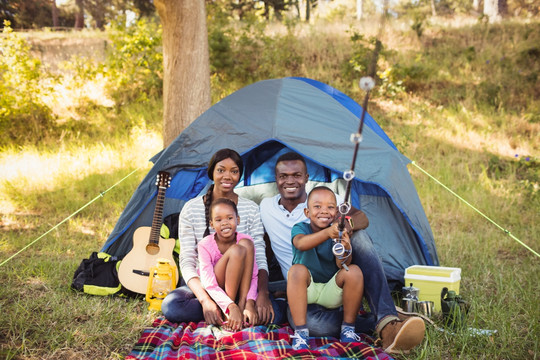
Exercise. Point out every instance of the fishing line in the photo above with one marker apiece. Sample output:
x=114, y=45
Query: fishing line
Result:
x=101, y=194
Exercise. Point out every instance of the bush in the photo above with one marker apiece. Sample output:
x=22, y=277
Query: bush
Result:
x=23, y=115
x=135, y=61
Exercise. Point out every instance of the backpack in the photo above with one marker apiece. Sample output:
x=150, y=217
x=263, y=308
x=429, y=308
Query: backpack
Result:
x=97, y=275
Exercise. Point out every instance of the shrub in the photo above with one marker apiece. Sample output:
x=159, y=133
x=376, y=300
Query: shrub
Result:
x=23, y=115
x=135, y=61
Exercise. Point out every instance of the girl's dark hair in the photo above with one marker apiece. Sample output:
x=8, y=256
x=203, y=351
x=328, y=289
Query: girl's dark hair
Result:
x=220, y=155
x=223, y=201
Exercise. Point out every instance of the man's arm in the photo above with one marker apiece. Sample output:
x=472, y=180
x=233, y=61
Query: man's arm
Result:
x=358, y=220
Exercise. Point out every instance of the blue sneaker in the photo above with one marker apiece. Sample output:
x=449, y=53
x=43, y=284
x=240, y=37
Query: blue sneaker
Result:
x=348, y=335
x=300, y=340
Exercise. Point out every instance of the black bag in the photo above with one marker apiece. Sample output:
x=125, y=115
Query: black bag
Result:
x=97, y=275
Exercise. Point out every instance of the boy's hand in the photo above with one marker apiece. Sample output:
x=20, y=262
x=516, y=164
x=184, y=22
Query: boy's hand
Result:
x=250, y=313
x=333, y=230
x=234, y=322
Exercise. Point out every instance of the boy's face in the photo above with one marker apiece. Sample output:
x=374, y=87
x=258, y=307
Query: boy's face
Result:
x=322, y=209
x=224, y=220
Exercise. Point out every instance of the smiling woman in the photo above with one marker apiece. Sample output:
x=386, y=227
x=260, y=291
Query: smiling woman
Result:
x=191, y=302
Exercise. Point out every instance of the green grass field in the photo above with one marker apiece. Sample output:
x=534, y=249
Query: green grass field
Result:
x=470, y=117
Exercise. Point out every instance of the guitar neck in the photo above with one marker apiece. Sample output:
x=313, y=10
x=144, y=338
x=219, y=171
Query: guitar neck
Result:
x=158, y=216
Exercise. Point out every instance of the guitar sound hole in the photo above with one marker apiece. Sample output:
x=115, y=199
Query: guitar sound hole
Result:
x=152, y=249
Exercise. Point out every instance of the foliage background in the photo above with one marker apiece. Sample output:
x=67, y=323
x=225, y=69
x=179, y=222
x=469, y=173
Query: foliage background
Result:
x=460, y=98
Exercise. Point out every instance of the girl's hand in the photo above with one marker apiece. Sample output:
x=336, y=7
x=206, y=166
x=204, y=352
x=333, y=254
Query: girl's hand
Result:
x=235, y=318
x=250, y=313
x=212, y=313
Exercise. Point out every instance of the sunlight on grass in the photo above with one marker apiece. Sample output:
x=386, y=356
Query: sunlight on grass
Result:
x=42, y=169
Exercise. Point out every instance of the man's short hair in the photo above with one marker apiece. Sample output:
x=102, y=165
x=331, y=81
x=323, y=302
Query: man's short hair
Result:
x=291, y=156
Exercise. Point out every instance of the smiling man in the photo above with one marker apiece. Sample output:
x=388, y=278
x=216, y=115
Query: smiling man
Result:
x=281, y=212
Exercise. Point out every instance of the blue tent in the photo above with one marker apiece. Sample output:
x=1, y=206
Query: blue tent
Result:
x=268, y=118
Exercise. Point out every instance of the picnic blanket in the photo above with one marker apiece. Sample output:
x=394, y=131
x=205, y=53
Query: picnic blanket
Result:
x=166, y=340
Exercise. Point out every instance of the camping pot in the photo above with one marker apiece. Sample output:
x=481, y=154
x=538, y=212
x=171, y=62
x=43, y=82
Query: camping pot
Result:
x=410, y=292
x=425, y=307
x=408, y=304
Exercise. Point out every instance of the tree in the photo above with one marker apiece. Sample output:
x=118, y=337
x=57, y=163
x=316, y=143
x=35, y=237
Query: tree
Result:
x=186, y=64
x=79, y=15
x=494, y=9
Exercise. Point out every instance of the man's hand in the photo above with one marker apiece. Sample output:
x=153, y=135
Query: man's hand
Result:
x=250, y=314
x=265, y=311
x=212, y=313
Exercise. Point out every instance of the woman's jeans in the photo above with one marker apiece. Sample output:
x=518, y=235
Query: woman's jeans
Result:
x=181, y=305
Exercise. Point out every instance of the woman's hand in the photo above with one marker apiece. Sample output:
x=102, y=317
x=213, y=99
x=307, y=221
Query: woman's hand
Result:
x=250, y=313
x=265, y=311
x=235, y=318
x=212, y=313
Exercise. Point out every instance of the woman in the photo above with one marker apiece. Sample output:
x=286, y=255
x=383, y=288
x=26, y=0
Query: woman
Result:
x=192, y=302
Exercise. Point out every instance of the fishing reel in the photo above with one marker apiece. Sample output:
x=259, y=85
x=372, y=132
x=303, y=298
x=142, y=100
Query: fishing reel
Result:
x=340, y=251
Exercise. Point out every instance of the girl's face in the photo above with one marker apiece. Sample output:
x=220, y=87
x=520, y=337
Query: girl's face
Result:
x=224, y=220
x=226, y=175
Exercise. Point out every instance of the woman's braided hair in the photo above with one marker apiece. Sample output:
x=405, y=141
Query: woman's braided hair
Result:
x=220, y=155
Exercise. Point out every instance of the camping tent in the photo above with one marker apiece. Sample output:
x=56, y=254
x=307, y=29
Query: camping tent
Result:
x=268, y=118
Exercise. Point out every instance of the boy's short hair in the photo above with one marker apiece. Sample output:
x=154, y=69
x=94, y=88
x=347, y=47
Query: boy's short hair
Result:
x=320, y=188
x=291, y=156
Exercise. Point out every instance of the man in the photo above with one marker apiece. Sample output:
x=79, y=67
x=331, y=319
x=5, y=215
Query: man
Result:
x=281, y=212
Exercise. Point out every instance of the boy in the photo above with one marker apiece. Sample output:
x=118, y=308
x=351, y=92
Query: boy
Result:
x=316, y=275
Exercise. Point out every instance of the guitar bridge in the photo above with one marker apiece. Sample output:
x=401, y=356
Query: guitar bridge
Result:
x=140, y=272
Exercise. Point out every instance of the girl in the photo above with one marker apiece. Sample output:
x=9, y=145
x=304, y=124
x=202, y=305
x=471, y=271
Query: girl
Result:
x=227, y=268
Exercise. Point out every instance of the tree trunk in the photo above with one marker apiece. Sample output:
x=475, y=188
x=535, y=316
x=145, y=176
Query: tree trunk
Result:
x=186, y=64
x=79, y=15
x=433, y=10
x=359, y=9
x=308, y=8
x=54, y=14
x=476, y=6
x=494, y=9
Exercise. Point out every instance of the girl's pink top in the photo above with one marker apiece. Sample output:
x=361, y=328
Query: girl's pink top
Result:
x=209, y=255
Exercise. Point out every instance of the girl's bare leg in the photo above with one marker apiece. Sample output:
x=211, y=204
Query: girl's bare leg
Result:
x=229, y=270
x=245, y=282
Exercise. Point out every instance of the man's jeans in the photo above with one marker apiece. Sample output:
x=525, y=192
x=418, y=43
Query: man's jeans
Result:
x=327, y=322
x=181, y=305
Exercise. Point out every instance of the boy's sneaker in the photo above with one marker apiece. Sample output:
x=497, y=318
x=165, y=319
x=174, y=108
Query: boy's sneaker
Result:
x=300, y=340
x=348, y=335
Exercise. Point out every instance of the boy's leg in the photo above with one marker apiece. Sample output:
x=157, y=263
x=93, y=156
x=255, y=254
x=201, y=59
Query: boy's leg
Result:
x=352, y=283
x=298, y=280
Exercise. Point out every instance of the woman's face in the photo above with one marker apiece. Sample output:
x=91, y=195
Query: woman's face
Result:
x=226, y=175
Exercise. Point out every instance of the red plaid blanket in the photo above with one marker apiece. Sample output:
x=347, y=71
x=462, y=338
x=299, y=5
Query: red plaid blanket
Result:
x=166, y=340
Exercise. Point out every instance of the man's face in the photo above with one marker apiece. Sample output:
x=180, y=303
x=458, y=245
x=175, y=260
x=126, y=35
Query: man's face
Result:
x=291, y=179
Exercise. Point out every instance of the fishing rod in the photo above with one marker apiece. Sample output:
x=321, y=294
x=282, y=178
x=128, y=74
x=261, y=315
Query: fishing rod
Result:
x=367, y=83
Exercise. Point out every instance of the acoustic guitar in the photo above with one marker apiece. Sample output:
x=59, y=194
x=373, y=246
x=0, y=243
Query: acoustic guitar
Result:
x=148, y=246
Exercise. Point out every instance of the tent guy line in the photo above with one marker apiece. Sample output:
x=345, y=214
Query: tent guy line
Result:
x=475, y=209
x=101, y=194
x=134, y=171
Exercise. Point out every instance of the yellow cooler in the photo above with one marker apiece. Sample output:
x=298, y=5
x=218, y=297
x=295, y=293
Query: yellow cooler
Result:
x=431, y=280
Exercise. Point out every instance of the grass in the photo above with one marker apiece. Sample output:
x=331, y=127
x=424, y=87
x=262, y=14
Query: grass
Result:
x=463, y=120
